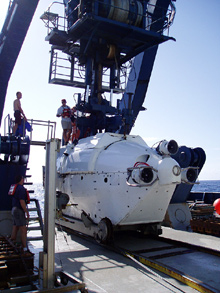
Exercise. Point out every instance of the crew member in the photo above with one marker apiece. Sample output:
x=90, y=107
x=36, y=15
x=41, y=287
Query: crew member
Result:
x=20, y=214
x=65, y=112
x=18, y=112
x=75, y=130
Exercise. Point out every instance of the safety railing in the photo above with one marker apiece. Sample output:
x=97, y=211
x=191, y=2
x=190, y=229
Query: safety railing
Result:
x=54, y=20
x=65, y=70
x=28, y=126
x=142, y=15
x=48, y=125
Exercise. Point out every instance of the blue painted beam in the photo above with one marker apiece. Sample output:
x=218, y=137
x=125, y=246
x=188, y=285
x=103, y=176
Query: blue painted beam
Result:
x=12, y=37
x=142, y=68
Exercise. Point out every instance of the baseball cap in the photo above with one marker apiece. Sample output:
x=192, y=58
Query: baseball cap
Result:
x=63, y=100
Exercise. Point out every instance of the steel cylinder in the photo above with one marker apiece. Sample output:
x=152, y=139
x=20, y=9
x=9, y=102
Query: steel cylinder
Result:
x=129, y=12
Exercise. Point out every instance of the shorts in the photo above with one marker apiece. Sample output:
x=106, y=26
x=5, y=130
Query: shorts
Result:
x=18, y=217
x=17, y=115
x=66, y=124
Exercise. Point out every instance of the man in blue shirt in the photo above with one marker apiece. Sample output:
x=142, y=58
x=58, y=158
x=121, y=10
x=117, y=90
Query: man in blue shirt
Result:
x=20, y=212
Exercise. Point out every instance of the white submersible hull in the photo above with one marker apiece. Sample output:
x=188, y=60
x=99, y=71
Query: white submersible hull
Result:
x=118, y=179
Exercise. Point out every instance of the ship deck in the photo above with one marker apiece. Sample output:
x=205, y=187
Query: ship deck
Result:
x=104, y=270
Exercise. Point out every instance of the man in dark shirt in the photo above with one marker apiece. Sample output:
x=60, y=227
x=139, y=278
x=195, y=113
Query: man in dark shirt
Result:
x=20, y=212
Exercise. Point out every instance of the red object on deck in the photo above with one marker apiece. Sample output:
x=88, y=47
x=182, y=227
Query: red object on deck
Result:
x=216, y=204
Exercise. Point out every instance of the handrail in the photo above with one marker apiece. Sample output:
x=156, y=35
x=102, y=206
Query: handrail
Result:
x=49, y=124
x=51, y=128
x=52, y=20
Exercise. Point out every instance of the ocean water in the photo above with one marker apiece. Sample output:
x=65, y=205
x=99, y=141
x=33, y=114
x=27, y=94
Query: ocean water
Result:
x=38, y=189
x=207, y=186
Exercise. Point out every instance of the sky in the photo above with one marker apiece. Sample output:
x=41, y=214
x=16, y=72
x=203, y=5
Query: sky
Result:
x=183, y=97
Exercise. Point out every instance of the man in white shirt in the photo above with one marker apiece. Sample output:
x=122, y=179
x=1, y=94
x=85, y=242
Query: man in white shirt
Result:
x=65, y=112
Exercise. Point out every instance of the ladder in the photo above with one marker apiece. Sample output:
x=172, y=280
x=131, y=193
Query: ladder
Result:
x=35, y=220
x=36, y=217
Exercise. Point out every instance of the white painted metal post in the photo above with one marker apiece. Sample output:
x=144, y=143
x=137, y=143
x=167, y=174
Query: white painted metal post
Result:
x=52, y=146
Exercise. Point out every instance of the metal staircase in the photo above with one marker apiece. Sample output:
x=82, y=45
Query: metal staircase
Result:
x=35, y=220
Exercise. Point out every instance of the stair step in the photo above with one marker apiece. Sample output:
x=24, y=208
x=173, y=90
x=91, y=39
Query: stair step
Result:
x=37, y=238
x=32, y=209
x=28, y=183
x=34, y=219
x=31, y=191
x=37, y=217
x=35, y=228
